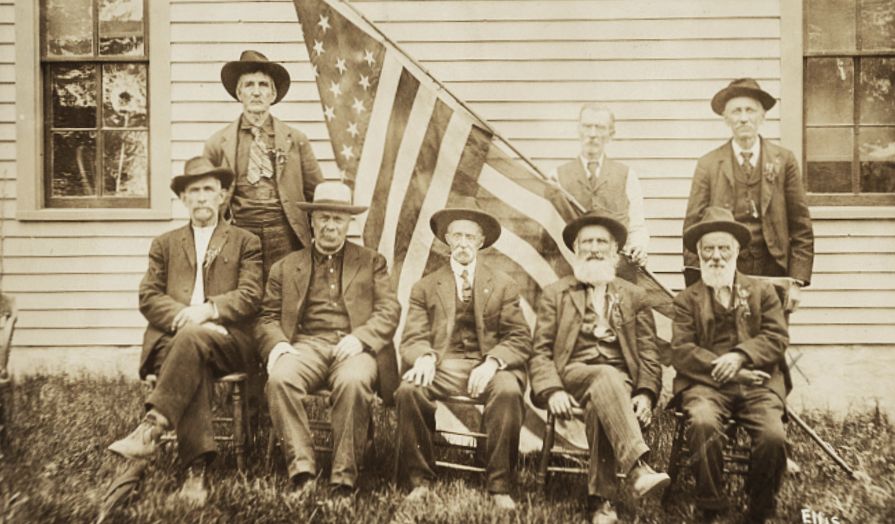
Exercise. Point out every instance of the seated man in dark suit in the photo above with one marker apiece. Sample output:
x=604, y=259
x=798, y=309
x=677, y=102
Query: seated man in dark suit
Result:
x=465, y=335
x=200, y=295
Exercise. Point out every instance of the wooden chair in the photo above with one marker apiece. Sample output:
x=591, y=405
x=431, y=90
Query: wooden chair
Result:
x=737, y=455
x=9, y=314
x=574, y=460
x=468, y=444
x=230, y=408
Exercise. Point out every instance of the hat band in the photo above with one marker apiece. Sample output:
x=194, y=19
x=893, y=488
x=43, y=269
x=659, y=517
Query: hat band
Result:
x=332, y=202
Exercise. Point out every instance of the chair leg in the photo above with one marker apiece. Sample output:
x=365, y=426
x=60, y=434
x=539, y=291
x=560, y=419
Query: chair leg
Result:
x=239, y=426
x=674, y=460
x=546, y=448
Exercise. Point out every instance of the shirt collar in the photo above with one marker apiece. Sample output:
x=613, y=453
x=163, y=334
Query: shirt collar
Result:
x=320, y=257
x=267, y=126
x=584, y=160
x=458, y=268
x=755, y=150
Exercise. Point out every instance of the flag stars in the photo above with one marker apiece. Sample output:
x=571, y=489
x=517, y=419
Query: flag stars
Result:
x=314, y=70
x=318, y=47
x=364, y=82
x=358, y=106
x=340, y=65
x=329, y=112
x=347, y=152
x=352, y=130
x=335, y=89
x=324, y=23
x=368, y=58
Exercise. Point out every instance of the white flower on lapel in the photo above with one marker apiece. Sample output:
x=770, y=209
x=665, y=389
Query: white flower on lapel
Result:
x=210, y=255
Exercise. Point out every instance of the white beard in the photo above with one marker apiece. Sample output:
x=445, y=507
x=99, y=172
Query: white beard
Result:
x=716, y=277
x=595, y=272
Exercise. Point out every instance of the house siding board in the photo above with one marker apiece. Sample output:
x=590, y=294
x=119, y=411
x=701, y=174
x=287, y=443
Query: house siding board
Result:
x=526, y=67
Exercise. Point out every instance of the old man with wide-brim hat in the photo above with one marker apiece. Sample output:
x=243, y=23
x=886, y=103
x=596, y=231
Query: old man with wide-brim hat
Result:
x=274, y=165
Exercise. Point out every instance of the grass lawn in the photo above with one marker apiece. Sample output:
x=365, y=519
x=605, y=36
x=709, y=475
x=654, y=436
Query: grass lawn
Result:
x=56, y=469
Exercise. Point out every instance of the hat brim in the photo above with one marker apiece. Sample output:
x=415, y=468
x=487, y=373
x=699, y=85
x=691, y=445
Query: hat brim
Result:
x=441, y=219
x=225, y=175
x=719, y=101
x=697, y=231
x=616, y=229
x=231, y=72
x=331, y=206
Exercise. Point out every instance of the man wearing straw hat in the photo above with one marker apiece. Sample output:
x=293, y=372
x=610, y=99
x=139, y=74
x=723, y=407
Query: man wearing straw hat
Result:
x=464, y=335
x=200, y=295
x=729, y=338
x=274, y=164
x=595, y=347
x=328, y=310
x=760, y=183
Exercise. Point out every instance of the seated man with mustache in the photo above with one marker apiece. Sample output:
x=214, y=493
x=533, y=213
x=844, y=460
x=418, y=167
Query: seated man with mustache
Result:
x=595, y=346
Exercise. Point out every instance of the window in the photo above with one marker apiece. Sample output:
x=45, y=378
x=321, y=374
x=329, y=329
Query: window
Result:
x=94, y=65
x=849, y=114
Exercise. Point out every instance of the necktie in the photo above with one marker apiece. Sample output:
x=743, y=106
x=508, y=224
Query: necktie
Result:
x=747, y=165
x=467, y=287
x=722, y=295
x=592, y=166
x=259, y=160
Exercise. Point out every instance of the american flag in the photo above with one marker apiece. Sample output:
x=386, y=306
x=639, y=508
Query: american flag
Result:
x=411, y=148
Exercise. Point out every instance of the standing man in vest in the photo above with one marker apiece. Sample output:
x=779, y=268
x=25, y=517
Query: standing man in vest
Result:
x=328, y=310
x=464, y=335
x=595, y=346
x=760, y=183
x=274, y=165
x=601, y=184
x=200, y=295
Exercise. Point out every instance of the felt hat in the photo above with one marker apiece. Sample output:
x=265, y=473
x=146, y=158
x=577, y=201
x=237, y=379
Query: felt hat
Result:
x=332, y=196
x=742, y=87
x=200, y=167
x=716, y=219
x=594, y=218
x=442, y=219
x=251, y=62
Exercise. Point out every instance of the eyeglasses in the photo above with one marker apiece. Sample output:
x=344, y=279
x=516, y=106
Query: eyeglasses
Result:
x=465, y=238
x=709, y=251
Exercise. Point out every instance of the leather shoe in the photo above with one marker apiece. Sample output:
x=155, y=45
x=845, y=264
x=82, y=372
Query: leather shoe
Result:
x=503, y=501
x=604, y=513
x=142, y=443
x=646, y=480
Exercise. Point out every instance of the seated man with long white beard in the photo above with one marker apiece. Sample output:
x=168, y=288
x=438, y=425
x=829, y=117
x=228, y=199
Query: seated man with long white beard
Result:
x=595, y=346
x=728, y=345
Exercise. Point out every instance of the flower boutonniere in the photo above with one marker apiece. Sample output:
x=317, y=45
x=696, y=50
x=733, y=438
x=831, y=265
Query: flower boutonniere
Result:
x=771, y=170
x=613, y=309
x=210, y=255
x=741, y=301
x=281, y=153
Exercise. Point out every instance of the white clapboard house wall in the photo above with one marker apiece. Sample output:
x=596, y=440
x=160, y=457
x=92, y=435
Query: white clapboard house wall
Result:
x=526, y=66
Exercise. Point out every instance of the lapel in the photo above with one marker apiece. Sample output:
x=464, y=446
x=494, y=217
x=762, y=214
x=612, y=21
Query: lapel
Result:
x=301, y=275
x=725, y=166
x=482, y=289
x=350, y=266
x=229, y=143
x=188, y=245
x=618, y=307
x=282, y=140
x=769, y=158
x=445, y=289
x=706, y=313
x=216, y=245
x=569, y=321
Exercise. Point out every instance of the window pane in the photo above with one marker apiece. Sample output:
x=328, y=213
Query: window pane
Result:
x=74, y=96
x=830, y=25
x=121, y=27
x=69, y=27
x=829, y=159
x=877, y=90
x=124, y=95
x=877, y=150
x=877, y=25
x=125, y=171
x=829, y=91
x=73, y=164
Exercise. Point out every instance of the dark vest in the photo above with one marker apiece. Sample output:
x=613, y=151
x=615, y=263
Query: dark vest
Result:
x=610, y=193
x=255, y=204
x=725, y=333
x=590, y=350
x=464, y=340
x=324, y=314
x=755, y=257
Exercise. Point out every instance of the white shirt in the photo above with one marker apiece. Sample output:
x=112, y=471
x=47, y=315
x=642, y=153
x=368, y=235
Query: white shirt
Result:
x=458, y=269
x=637, y=232
x=201, y=238
x=598, y=300
x=755, y=150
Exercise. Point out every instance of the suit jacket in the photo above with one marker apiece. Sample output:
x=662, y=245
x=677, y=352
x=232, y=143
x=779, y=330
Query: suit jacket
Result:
x=500, y=327
x=232, y=279
x=785, y=221
x=373, y=309
x=560, y=315
x=297, y=173
x=761, y=330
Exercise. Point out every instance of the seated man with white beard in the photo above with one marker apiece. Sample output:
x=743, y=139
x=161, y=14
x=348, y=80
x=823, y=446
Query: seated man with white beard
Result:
x=595, y=346
x=728, y=345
